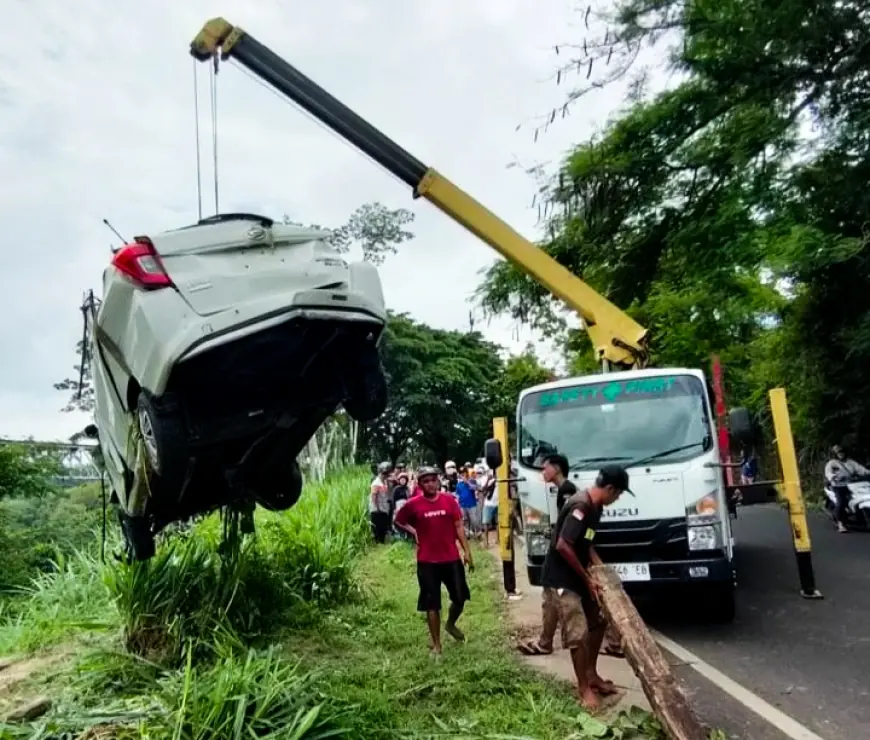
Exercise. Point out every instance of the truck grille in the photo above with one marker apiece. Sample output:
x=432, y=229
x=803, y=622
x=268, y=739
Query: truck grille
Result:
x=643, y=541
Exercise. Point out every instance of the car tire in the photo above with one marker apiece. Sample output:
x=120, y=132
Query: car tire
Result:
x=165, y=441
x=138, y=537
x=368, y=393
x=280, y=485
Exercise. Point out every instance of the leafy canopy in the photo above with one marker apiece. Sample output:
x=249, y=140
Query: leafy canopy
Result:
x=728, y=213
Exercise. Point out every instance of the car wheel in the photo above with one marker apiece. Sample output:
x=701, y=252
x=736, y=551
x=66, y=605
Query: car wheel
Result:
x=165, y=441
x=279, y=486
x=138, y=538
x=368, y=393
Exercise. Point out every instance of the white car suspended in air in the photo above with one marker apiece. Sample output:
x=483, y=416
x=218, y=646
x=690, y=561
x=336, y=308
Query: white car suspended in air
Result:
x=217, y=351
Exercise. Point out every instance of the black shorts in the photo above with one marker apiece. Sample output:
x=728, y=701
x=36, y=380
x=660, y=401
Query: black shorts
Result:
x=430, y=576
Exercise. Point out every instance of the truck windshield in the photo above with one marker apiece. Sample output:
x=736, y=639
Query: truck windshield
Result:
x=616, y=420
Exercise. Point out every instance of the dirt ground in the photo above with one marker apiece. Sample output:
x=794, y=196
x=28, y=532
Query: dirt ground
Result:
x=15, y=676
x=525, y=612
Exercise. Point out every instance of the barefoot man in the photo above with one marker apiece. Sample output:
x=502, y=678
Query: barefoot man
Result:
x=568, y=585
x=435, y=522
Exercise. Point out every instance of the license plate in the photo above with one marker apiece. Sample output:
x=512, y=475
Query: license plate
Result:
x=632, y=571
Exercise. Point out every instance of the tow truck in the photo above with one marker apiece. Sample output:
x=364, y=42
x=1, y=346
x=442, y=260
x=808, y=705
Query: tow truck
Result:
x=678, y=530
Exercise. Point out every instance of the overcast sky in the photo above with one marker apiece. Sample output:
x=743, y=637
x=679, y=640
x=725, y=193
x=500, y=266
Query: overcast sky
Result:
x=97, y=122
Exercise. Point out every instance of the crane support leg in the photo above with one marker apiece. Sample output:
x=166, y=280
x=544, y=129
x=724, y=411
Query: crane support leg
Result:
x=791, y=491
x=505, y=508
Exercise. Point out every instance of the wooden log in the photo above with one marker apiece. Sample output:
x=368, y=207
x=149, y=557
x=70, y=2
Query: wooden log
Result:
x=662, y=689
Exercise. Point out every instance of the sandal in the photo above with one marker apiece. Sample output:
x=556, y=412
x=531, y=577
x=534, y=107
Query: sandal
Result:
x=604, y=687
x=613, y=651
x=533, y=648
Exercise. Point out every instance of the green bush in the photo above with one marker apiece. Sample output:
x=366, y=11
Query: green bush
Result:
x=26, y=471
x=37, y=531
x=298, y=561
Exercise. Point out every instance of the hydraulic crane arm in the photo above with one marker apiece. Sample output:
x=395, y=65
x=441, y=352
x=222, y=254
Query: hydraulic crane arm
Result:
x=617, y=338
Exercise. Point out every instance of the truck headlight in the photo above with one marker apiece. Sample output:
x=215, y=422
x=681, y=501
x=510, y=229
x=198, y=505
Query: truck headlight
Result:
x=535, y=518
x=537, y=545
x=704, y=538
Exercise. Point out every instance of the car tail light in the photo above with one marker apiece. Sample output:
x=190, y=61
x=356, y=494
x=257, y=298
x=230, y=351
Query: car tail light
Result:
x=142, y=265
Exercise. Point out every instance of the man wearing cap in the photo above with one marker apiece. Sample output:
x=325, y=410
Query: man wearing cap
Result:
x=554, y=471
x=435, y=522
x=569, y=586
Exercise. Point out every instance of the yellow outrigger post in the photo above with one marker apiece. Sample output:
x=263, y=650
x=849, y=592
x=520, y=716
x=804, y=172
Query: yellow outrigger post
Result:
x=618, y=340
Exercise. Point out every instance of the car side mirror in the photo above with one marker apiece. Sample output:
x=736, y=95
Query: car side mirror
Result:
x=493, y=453
x=91, y=431
x=740, y=426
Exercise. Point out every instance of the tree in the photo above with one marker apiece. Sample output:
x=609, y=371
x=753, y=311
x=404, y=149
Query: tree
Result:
x=376, y=229
x=445, y=387
x=80, y=387
x=520, y=372
x=27, y=471
x=729, y=213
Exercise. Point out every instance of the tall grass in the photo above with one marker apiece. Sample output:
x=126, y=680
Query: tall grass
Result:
x=194, y=620
x=247, y=694
x=68, y=599
x=299, y=561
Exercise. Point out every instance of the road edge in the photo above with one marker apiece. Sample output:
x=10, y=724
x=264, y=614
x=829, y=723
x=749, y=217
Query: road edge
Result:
x=787, y=725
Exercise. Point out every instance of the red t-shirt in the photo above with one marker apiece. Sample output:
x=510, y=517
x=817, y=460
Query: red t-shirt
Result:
x=434, y=520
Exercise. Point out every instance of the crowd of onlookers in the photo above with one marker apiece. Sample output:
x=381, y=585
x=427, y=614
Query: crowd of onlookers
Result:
x=473, y=486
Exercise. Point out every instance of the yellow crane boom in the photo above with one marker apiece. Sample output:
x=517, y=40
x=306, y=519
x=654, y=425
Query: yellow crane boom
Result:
x=617, y=338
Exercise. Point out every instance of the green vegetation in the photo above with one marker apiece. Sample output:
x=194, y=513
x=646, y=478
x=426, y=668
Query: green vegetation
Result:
x=445, y=388
x=729, y=212
x=301, y=632
x=36, y=530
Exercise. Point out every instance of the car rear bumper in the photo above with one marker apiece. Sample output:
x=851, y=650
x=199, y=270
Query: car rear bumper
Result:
x=278, y=376
x=311, y=305
x=164, y=325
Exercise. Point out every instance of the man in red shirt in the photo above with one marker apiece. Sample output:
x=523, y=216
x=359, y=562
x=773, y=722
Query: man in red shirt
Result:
x=435, y=522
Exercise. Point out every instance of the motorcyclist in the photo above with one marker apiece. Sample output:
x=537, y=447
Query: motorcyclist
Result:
x=841, y=470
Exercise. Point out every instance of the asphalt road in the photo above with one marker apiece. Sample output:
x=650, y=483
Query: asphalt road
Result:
x=810, y=659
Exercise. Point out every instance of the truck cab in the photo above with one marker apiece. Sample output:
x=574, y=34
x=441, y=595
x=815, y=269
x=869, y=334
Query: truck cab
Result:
x=658, y=424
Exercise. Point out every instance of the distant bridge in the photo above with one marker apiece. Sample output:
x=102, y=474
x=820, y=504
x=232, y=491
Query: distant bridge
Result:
x=76, y=459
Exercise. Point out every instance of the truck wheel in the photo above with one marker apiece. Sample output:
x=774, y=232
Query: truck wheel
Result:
x=368, y=393
x=165, y=440
x=720, y=603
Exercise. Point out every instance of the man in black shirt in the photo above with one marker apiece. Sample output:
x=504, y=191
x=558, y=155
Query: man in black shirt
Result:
x=554, y=471
x=568, y=585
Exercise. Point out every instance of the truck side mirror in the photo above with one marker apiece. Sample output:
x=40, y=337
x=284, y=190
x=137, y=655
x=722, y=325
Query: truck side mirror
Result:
x=91, y=431
x=493, y=453
x=741, y=427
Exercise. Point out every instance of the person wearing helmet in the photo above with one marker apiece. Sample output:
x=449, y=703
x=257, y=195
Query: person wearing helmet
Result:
x=451, y=477
x=435, y=522
x=841, y=470
x=379, y=503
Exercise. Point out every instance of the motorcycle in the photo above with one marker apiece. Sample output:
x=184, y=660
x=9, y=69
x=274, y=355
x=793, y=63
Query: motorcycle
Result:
x=858, y=507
